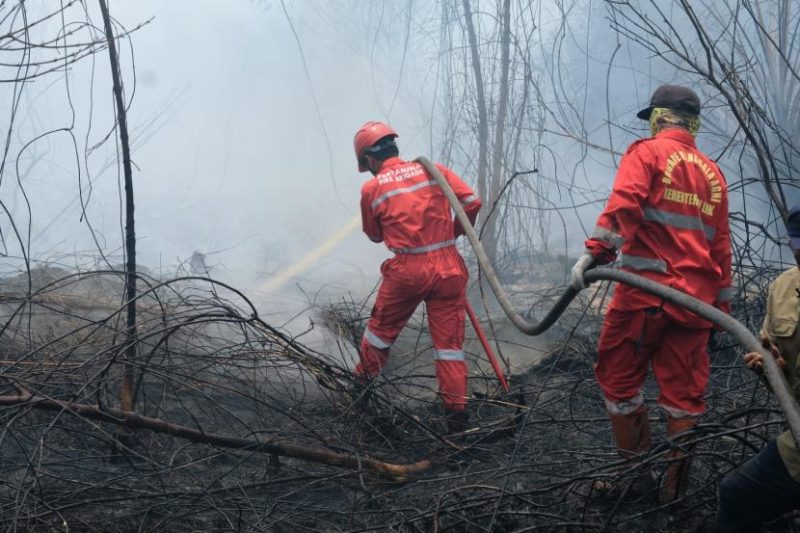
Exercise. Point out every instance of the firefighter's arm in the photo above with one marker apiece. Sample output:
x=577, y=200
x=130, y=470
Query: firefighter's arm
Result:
x=625, y=208
x=469, y=200
x=370, y=223
x=722, y=255
x=755, y=360
x=766, y=339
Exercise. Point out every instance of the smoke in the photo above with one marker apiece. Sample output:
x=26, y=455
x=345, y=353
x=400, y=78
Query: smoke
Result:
x=242, y=116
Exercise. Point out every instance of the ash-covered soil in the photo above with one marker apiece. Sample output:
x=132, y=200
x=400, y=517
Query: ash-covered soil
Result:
x=206, y=362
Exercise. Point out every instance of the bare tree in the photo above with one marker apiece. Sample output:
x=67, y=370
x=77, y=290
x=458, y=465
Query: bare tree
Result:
x=126, y=392
x=490, y=113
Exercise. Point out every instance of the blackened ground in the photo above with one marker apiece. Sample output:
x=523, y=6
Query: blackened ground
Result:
x=527, y=463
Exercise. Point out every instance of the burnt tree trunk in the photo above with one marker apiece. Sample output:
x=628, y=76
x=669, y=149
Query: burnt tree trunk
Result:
x=483, y=123
x=126, y=391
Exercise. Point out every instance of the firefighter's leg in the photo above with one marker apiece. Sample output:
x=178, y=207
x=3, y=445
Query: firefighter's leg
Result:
x=681, y=368
x=623, y=355
x=398, y=297
x=446, y=316
x=758, y=491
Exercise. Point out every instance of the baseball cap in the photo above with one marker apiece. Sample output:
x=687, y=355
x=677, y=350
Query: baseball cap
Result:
x=793, y=227
x=672, y=97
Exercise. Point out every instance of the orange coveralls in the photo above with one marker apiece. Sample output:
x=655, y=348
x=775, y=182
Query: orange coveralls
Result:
x=403, y=207
x=668, y=213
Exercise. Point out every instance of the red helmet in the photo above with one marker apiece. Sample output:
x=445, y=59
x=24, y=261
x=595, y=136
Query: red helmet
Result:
x=370, y=133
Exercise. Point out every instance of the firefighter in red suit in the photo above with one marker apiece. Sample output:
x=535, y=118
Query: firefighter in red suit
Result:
x=668, y=215
x=403, y=207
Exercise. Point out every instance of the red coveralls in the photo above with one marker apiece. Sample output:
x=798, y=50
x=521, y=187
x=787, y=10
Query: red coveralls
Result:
x=405, y=208
x=668, y=211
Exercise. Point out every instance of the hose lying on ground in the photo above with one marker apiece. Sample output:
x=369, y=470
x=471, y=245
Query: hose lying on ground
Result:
x=773, y=374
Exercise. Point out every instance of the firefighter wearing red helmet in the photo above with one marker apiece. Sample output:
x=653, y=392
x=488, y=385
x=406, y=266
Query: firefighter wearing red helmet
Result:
x=403, y=207
x=668, y=215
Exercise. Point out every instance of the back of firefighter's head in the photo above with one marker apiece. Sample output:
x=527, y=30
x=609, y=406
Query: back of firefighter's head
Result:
x=374, y=143
x=672, y=106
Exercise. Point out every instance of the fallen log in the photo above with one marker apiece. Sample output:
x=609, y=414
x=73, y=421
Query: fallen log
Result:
x=132, y=420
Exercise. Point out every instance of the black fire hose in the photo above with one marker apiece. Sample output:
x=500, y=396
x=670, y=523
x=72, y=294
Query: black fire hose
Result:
x=772, y=373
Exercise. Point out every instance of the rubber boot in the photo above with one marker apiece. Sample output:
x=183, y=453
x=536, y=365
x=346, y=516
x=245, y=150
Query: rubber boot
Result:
x=676, y=476
x=631, y=432
x=361, y=394
x=632, y=436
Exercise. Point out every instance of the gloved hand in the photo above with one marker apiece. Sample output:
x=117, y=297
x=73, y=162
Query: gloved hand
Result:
x=584, y=263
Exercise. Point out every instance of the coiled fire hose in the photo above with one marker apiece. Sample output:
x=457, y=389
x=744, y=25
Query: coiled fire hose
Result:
x=772, y=373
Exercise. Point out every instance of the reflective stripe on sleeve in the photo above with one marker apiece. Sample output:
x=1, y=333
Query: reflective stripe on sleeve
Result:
x=725, y=294
x=603, y=234
x=450, y=355
x=424, y=249
x=643, y=263
x=385, y=196
x=676, y=220
x=375, y=340
x=469, y=199
x=625, y=407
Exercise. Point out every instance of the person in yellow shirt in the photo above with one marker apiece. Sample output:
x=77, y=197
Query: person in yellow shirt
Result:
x=768, y=485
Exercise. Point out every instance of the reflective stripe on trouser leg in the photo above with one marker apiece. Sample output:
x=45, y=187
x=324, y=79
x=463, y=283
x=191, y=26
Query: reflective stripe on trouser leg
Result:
x=624, y=407
x=446, y=317
x=372, y=359
x=450, y=355
x=632, y=340
x=674, y=412
x=375, y=341
x=394, y=305
x=451, y=370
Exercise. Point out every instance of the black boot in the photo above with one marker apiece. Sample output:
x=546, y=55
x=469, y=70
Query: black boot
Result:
x=361, y=394
x=457, y=422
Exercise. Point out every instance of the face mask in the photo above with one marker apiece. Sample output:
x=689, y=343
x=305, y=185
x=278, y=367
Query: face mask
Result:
x=662, y=118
